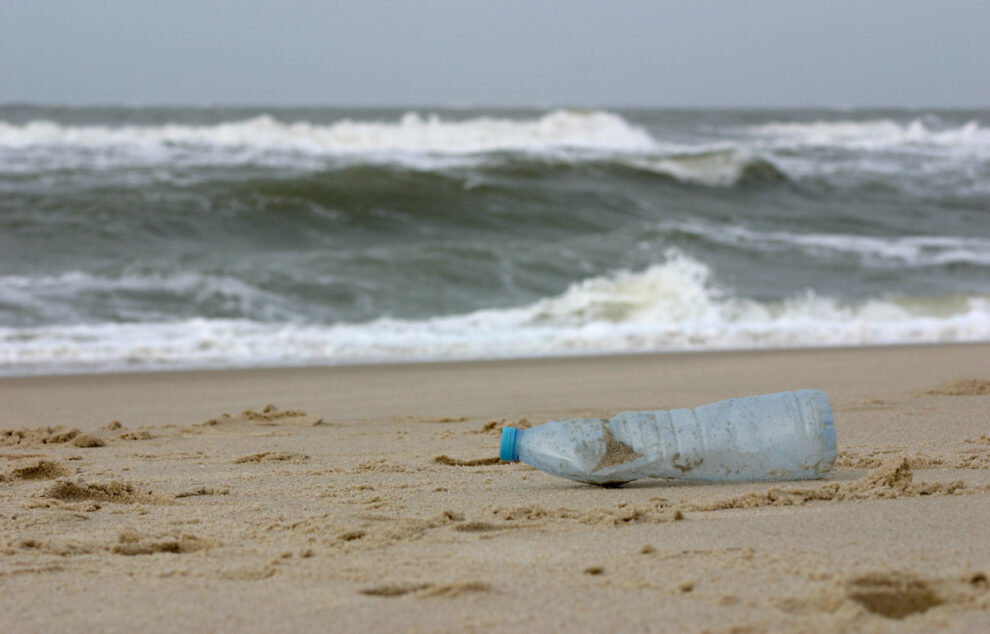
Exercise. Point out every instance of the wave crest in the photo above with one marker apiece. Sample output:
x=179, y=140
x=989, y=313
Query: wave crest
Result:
x=557, y=130
x=876, y=134
x=716, y=168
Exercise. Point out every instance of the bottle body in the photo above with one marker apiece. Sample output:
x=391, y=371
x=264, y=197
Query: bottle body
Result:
x=785, y=436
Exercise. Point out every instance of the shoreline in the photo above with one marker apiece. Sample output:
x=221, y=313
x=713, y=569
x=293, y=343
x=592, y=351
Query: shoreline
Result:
x=635, y=375
x=322, y=365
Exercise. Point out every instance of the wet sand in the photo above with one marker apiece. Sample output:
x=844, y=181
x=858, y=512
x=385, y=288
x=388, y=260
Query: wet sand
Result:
x=368, y=499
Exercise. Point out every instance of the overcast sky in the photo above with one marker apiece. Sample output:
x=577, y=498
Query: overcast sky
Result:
x=497, y=52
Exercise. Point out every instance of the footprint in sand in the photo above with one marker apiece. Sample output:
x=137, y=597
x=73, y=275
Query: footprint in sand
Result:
x=897, y=595
x=894, y=596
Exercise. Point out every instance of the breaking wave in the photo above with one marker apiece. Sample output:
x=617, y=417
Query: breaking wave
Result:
x=265, y=139
x=670, y=306
x=716, y=168
x=876, y=251
x=877, y=134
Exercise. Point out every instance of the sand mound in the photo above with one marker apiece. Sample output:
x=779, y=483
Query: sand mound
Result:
x=42, y=469
x=965, y=456
x=874, y=458
x=388, y=530
x=427, y=590
x=893, y=479
x=495, y=427
x=57, y=435
x=451, y=590
x=964, y=387
x=394, y=590
x=268, y=416
x=117, y=430
x=113, y=491
x=272, y=456
x=350, y=536
x=88, y=441
x=131, y=543
x=656, y=511
x=61, y=546
x=382, y=465
x=456, y=462
x=478, y=527
x=37, y=436
x=203, y=491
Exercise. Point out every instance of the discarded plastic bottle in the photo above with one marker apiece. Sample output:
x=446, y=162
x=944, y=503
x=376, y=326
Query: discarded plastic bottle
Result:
x=785, y=436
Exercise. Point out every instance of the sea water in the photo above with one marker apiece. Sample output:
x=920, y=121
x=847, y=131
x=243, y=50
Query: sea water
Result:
x=146, y=238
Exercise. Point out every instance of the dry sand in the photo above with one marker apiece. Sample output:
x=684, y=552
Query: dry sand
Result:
x=369, y=499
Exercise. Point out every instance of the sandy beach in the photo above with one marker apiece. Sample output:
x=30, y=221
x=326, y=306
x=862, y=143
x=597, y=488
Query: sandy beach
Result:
x=371, y=499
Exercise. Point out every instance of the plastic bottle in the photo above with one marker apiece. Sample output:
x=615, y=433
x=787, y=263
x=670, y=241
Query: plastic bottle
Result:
x=785, y=436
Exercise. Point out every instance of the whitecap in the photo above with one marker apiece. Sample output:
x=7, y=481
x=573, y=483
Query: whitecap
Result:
x=670, y=306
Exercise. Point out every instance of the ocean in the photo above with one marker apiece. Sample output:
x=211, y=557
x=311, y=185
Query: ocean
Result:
x=145, y=238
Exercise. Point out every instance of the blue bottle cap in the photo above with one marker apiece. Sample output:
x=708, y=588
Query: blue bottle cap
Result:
x=507, y=451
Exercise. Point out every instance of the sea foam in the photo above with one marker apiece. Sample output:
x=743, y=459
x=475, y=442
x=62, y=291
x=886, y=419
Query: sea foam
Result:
x=877, y=134
x=412, y=133
x=666, y=307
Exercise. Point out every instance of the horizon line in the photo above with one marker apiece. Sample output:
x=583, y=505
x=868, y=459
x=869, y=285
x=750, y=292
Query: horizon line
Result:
x=470, y=106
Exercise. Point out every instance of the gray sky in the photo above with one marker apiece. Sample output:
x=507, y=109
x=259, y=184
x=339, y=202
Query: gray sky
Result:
x=497, y=52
